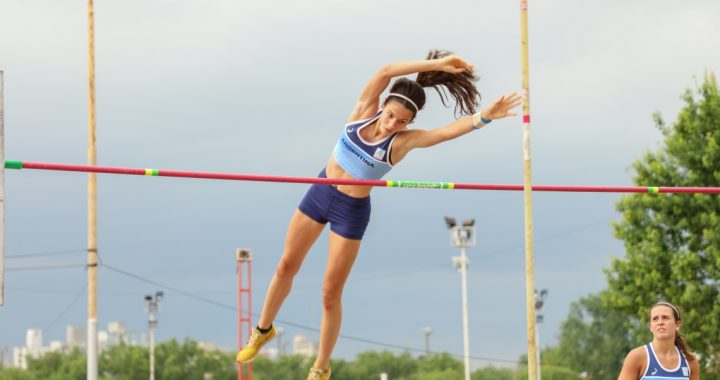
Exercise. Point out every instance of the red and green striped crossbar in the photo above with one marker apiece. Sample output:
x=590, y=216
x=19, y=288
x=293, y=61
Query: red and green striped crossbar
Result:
x=362, y=182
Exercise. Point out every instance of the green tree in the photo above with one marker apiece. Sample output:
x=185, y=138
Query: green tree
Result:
x=288, y=367
x=493, y=373
x=123, y=362
x=188, y=361
x=551, y=373
x=59, y=366
x=672, y=242
x=370, y=364
x=15, y=374
x=593, y=339
x=438, y=367
x=439, y=362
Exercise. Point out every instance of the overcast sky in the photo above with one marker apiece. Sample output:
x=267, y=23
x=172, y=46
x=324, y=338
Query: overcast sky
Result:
x=264, y=87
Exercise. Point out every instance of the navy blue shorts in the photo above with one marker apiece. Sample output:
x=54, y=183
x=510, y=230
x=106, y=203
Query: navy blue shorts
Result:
x=348, y=216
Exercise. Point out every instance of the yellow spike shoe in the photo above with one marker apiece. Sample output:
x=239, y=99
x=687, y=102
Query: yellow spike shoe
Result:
x=254, y=344
x=319, y=374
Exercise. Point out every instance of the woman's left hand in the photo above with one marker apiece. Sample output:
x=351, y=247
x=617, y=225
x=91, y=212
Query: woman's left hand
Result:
x=454, y=64
x=502, y=107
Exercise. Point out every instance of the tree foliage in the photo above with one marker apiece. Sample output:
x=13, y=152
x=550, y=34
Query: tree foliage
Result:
x=672, y=242
x=59, y=366
x=173, y=360
x=186, y=360
x=493, y=373
x=593, y=340
x=549, y=373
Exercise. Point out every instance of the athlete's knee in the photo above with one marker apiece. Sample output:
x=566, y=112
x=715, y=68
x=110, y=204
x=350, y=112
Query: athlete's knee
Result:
x=287, y=268
x=331, y=296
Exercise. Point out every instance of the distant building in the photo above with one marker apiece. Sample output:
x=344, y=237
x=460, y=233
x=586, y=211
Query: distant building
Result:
x=207, y=345
x=75, y=337
x=19, y=359
x=103, y=339
x=34, y=342
x=304, y=346
x=56, y=346
x=270, y=353
x=33, y=348
x=134, y=339
x=117, y=333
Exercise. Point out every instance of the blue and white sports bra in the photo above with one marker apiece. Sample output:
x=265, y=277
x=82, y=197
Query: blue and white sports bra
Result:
x=362, y=159
x=656, y=371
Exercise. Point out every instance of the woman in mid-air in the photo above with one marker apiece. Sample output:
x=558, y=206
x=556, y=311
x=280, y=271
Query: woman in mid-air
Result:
x=667, y=356
x=376, y=138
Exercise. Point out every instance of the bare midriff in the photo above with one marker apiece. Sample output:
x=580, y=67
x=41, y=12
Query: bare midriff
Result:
x=334, y=170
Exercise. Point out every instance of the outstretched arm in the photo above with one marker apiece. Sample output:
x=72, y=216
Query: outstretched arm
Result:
x=418, y=138
x=369, y=99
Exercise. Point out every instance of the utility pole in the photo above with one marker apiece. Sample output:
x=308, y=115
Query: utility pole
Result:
x=152, y=309
x=92, y=337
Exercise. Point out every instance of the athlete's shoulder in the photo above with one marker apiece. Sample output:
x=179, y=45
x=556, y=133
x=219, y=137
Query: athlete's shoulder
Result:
x=634, y=365
x=637, y=356
x=362, y=119
x=640, y=350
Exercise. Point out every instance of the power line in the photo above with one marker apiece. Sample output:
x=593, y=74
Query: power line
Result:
x=491, y=253
x=43, y=254
x=55, y=291
x=234, y=308
x=187, y=294
x=229, y=307
x=46, y=267
x=545, y=239
x=287, y=323
x=67, y=309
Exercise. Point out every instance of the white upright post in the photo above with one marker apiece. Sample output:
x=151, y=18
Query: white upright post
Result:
x=463, y=236
x=92, y=349
x=537, y=352
x=152, y=352
x=466, y=329
x=152, y=308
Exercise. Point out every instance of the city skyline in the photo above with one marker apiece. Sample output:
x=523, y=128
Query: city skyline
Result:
x=117, y=333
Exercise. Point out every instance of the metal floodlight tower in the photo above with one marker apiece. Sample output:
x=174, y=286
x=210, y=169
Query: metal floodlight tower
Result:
x=426, y=332
x=463, y=236
x=243, y=259
x=152, y=309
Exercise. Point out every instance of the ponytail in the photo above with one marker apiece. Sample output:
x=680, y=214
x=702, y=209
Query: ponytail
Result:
x=461, y=85
x=680, y=344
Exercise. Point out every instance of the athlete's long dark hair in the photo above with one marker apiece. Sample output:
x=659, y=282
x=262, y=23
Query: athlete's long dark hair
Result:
x=679, y=339
x=461, y=87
